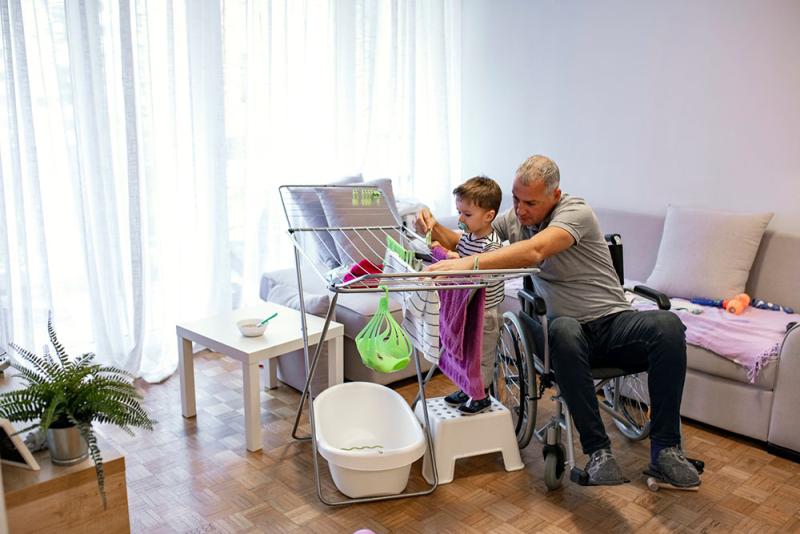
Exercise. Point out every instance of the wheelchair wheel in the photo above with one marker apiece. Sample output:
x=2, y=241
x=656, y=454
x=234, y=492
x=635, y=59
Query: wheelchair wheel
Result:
x=515, y=379
x=633, y=405
x=553, y=471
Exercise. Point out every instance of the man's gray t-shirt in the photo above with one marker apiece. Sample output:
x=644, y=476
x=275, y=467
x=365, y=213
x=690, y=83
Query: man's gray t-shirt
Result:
x=578, y=282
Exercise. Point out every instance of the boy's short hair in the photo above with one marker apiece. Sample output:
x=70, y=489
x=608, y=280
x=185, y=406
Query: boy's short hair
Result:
x=481, y=191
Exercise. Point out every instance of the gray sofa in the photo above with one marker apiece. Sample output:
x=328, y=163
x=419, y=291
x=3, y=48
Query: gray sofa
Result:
x=717, y=391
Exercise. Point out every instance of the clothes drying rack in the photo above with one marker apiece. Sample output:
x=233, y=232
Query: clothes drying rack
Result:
x=331, y=250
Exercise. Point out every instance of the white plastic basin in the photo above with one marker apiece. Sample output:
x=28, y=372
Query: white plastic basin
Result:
x=369, y=436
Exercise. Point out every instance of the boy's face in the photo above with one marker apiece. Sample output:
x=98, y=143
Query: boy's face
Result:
x=474, y=217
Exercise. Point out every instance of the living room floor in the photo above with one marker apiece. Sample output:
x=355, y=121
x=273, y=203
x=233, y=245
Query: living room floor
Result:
x=195, y=475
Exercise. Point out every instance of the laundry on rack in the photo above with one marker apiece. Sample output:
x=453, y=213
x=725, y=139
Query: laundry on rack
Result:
x=461, y=331
x=362, y=268
x=420, y=311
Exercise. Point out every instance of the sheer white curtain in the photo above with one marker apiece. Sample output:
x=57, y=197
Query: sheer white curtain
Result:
x=142, y=143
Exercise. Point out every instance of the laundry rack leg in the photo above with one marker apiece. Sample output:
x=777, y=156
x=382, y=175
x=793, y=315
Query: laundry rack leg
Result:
x=313, y=367
x=424, y=383
x=310, y=369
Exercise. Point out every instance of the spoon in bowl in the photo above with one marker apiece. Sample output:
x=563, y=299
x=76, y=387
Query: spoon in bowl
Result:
x=268, y=319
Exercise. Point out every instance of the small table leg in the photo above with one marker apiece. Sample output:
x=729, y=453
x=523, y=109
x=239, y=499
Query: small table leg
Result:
x=271, y=368
x=186, y=366
x=335, y=360
x=252, y=410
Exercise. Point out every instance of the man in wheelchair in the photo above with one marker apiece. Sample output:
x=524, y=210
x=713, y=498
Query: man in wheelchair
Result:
x=590, y=323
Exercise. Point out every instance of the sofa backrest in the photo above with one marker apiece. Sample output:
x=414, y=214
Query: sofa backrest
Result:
x=773, y=277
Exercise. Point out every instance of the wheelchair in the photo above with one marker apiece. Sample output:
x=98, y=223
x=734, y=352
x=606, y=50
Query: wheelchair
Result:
x=523, y=373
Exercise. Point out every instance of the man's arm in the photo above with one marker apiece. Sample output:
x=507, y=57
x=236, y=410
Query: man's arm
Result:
x=427, y=222
x=526, y=253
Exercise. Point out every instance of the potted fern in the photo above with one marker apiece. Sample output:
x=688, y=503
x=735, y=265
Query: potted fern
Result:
x=64, y=396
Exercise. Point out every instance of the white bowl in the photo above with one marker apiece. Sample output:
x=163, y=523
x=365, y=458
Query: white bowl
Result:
x=250, y=328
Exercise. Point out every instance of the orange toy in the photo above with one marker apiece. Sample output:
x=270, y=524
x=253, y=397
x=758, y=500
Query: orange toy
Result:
x=737, y=304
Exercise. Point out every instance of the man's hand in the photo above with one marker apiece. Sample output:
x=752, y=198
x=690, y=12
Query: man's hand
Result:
x=460, y=264
x=425, y=221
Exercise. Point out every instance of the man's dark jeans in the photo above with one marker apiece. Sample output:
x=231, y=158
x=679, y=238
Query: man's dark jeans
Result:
x=650, y=339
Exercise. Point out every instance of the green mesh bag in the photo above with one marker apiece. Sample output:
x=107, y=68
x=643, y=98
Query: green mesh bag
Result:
x=383, y=344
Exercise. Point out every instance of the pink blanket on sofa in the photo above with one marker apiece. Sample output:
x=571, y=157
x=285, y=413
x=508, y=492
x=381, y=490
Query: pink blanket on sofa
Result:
x=752, y=339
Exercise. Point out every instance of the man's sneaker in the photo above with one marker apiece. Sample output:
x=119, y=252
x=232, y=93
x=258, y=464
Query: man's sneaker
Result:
x=457, y=398
x=603, y=469
x=473, y=407
x=675, y=469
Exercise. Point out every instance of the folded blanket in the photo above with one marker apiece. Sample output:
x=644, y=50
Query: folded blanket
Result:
x=752, y=339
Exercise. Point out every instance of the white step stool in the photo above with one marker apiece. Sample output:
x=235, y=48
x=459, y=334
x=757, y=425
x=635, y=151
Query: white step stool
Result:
x=460, y=436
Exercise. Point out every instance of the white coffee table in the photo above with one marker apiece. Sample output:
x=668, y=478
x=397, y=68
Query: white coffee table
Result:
x=284, y=334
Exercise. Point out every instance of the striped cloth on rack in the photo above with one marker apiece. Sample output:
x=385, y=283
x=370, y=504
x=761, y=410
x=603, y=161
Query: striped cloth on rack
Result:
x=420, y=311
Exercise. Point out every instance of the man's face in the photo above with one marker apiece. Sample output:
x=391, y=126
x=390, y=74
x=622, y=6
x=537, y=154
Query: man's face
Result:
x=532, y=202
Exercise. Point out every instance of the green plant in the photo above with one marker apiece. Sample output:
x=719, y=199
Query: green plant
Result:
x=60, y=392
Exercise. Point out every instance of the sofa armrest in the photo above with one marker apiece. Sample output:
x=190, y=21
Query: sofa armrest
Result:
x=784, y=426
x=280, y=287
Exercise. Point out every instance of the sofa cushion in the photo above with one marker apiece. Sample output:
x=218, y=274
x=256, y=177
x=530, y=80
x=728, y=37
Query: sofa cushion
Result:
x=320, y=245
x=703, y=361
x=705, y=253
x=640, y=235
x=280, y=287
x=353, y=246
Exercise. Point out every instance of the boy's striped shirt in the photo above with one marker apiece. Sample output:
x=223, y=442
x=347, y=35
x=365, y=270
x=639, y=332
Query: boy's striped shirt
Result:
x=468, y=245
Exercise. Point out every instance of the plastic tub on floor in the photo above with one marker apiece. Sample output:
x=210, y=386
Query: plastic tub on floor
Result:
x=369, y=436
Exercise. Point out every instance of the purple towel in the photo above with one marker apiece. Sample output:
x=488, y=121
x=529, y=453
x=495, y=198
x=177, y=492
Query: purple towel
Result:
x=439, y=253
x=461, y=334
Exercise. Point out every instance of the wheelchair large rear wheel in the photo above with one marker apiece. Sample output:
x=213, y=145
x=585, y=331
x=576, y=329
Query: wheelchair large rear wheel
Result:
x=633, y=405
x=515, y=379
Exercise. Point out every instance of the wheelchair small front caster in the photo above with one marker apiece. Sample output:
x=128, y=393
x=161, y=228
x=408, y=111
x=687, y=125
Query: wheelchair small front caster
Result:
x=554, y=456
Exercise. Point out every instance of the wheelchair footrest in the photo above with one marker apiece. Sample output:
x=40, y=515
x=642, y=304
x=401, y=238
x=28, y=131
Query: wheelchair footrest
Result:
x=700, y=465
x=579, y=476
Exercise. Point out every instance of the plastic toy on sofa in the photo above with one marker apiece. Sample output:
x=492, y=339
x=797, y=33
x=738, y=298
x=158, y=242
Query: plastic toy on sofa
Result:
x=735, y=305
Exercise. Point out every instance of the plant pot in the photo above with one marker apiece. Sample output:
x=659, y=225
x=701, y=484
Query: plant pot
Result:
x=66, y=445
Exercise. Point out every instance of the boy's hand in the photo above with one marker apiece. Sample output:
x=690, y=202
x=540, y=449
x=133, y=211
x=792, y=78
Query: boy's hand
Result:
x=425, y=221
x=452, y=255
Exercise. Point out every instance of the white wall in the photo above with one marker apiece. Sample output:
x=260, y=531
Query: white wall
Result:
x=641, y=103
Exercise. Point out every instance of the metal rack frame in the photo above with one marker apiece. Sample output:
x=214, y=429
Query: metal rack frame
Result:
x=364, y=242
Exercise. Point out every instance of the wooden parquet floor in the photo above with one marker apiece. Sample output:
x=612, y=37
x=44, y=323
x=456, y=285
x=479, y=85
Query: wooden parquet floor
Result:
x=195, y=475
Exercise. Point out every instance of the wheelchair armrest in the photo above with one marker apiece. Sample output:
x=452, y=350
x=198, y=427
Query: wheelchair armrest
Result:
x=536, y=303
x=656, y=296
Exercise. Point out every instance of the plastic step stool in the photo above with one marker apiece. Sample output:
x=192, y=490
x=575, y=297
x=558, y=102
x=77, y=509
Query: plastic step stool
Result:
x=460, y=436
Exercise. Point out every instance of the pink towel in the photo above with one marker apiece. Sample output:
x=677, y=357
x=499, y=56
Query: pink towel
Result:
x=461, y=333
x=362, y=268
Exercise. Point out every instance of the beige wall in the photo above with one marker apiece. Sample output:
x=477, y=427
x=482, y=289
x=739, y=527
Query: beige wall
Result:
x=642, y=103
